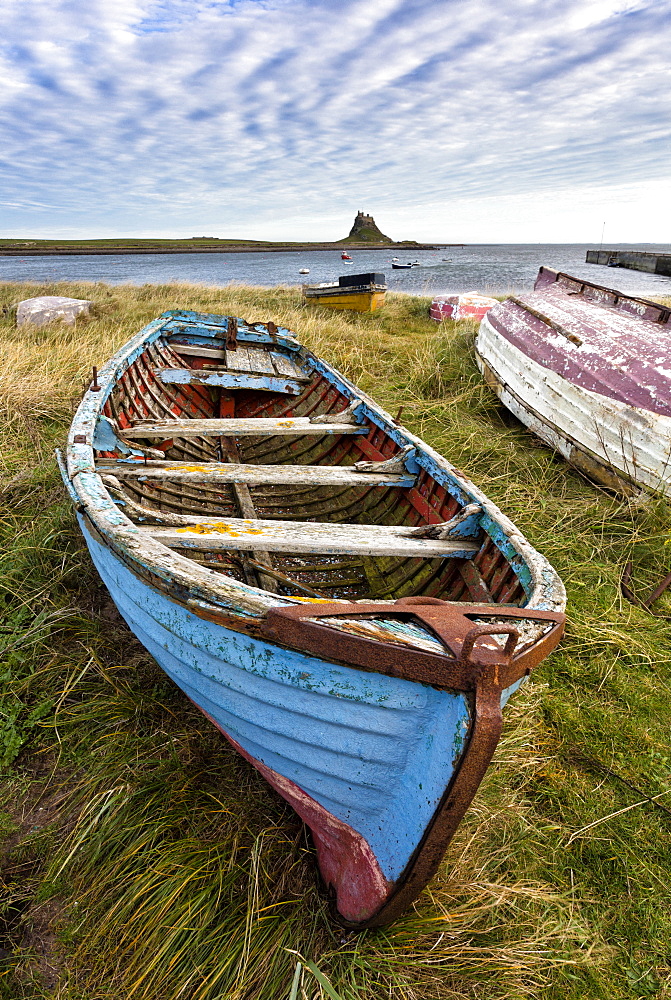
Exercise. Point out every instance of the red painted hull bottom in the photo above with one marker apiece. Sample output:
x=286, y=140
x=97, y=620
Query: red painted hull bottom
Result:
x=346, y=860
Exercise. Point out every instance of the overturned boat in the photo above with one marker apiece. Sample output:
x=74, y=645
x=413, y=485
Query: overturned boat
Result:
x=345, y=606
x=588, y=369
x=464, y=305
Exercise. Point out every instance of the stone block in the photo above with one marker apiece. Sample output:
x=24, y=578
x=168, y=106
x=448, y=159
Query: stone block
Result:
x=45, y=309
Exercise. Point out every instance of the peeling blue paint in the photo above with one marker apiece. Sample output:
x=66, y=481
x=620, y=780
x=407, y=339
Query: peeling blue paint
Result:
x=230, y=380
x=104, y=439
x=210, y=327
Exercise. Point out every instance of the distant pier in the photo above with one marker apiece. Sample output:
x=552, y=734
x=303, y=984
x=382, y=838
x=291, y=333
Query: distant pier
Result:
x=635, y=260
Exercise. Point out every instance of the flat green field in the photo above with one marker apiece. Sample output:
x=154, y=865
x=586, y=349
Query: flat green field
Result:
x=142, y=859
x=198, y=244
x=134, y=244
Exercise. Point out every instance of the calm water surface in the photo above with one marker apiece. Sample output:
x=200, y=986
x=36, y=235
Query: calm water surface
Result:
x=496, y=269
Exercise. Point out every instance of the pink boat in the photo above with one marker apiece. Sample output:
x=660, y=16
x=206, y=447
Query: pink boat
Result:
x=588, y=369
x=468, y=305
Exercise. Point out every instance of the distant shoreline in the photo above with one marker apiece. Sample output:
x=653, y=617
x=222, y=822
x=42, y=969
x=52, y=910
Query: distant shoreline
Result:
x=48, y=248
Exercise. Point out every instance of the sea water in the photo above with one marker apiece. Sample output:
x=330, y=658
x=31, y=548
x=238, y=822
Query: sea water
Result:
x=494, y=269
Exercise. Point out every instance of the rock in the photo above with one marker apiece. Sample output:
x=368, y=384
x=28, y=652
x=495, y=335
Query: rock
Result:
x=366, y=231
x=47, y=308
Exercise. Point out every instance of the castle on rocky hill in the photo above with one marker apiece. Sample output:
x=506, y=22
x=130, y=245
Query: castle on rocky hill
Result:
x=365, y=230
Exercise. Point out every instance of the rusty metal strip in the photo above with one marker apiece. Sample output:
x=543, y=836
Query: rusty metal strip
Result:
x=483, y=740
x=302, y=627
x=486, y=684
x=646, y=602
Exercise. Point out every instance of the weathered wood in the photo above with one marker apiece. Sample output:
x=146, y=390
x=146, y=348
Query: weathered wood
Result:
x=229, y=380
x=245, y=504
x=283, y=578
x=238, y=360
x=222, y=472
x=308, y=536
x=286, y=368
x=259, y=360
x=238, y=427
x=217, y=353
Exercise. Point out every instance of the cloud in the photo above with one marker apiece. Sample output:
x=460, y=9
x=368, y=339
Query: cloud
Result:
x=231, y=115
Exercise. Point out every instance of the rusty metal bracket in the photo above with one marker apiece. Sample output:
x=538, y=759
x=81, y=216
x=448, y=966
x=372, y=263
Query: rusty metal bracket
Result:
x=480, y=630
x=645, y=602
x=232, y=334
x=483, y=739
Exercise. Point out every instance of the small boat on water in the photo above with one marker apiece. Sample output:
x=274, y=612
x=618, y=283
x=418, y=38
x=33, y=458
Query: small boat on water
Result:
x=345, y=256
x=405, y=267
x=304, y=270
x=588, y=369
x=360, y=292
x=345, y=606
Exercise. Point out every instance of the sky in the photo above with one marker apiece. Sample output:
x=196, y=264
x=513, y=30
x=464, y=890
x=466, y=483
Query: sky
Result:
x=476, y=121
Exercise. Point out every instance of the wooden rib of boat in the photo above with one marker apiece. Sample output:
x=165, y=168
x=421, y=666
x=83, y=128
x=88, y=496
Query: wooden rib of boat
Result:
x=359, y=292
x=588, y=369
x=346, y=607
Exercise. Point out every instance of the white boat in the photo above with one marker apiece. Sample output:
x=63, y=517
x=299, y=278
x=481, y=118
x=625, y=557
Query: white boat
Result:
x=588, y=369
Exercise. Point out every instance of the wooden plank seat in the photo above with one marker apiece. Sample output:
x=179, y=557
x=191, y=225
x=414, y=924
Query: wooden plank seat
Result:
x=246, y=359
x=226, y=379
x=238, y=427
x=232, y=472
x=308, y=536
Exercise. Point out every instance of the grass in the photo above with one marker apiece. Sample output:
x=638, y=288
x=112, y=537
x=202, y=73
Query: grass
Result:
x=124, y=245
x=142, y=859
x=194, y=243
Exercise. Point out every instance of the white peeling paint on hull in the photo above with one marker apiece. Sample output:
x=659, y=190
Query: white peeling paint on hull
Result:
x=634, y=442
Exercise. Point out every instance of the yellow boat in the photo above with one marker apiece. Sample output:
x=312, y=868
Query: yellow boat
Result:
x=361, y=292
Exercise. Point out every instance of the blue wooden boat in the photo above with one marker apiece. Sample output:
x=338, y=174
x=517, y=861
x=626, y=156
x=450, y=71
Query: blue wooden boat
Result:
x=345, y=606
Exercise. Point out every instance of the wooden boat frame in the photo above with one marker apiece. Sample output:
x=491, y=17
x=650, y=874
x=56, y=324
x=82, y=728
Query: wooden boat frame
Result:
x=456, y=515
